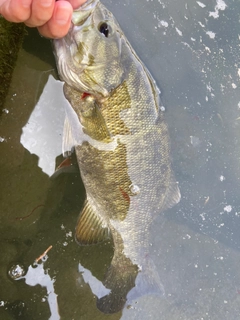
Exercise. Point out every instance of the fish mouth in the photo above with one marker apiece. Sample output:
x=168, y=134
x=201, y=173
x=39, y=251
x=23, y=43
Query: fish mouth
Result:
x=71, y=67
x=81, y=14
x=75, y=62
x=69, y=64
x=72, y=63
x=66, y=68
x=66, y=48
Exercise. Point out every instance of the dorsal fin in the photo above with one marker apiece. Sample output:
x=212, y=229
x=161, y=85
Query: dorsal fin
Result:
x=90, y=228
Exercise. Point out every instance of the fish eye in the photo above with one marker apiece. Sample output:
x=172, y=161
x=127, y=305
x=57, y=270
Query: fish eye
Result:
x=104, y=28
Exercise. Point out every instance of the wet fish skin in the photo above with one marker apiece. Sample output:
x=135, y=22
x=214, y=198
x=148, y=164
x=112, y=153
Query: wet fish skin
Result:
x=122, y=145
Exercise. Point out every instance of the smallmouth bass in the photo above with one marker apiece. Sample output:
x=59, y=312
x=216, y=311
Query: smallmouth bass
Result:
x=121, y=140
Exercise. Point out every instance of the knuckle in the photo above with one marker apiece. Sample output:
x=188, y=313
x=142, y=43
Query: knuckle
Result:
x=16, y=14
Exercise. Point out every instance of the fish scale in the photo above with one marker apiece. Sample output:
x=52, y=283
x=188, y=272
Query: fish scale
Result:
x=117, y=128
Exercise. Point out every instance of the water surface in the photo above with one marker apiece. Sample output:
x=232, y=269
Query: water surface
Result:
x=192, y=50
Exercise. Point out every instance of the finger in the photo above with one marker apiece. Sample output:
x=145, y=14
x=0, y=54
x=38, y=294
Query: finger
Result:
x=16, y=10
x=59, y=24
x=77, y=3
x=41, y=12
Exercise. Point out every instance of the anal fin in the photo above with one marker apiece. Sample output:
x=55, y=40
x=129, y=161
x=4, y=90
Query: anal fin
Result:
x=90, y=228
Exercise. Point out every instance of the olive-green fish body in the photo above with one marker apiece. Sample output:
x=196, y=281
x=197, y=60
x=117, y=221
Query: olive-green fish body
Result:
x=122, y=146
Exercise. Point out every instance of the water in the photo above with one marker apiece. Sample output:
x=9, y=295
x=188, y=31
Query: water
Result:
x=192, y=50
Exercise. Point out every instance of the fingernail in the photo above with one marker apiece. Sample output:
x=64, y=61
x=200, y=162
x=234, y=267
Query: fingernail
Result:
x=26, y=3
x=46, y=3
x=62, y=17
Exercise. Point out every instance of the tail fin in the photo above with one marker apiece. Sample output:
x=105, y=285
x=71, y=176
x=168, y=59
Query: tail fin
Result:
x=127, y=283
x=120, y=280
x=147, y=282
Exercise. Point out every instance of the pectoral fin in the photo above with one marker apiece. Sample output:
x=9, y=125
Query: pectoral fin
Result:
x=172, y=197
x=90, y=228
x=68, y=141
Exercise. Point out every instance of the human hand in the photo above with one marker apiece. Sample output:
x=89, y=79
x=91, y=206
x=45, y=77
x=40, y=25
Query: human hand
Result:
x=52, y=18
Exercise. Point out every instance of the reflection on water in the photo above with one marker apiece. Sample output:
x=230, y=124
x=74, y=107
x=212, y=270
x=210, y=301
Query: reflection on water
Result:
x=96, y=286
x=38, y=275
x=192, y=49
x=43, y=131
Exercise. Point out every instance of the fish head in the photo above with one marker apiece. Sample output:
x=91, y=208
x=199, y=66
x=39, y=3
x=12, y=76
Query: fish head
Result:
x=89, y=57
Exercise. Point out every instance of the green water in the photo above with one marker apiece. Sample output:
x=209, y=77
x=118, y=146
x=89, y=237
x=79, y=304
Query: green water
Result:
x=194, y=57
